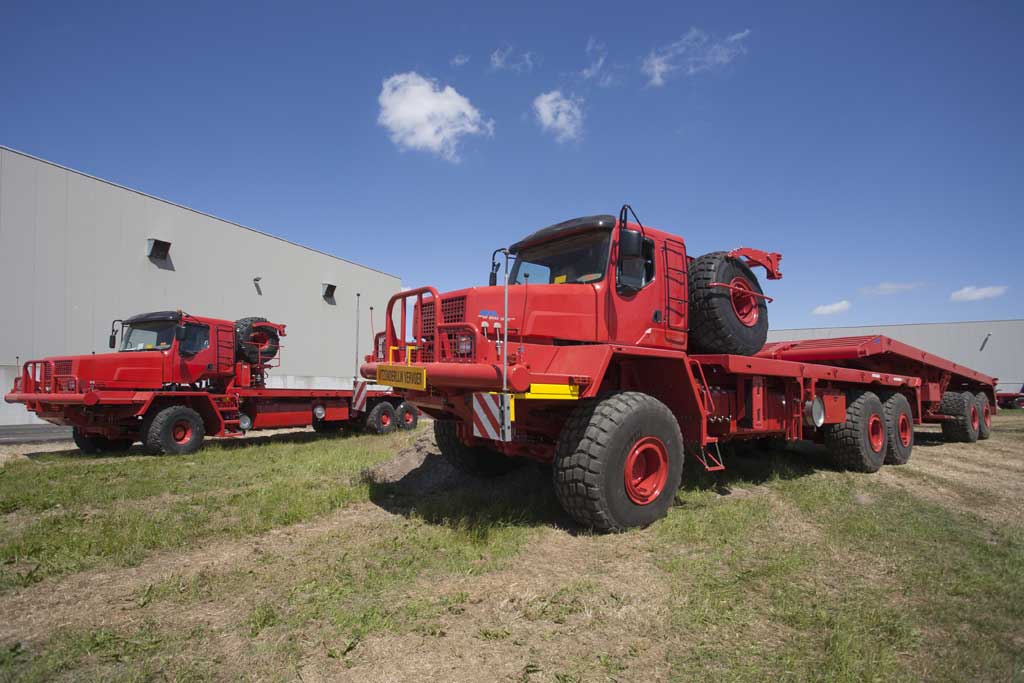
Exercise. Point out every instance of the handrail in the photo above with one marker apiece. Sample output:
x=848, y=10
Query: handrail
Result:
x=392, y=337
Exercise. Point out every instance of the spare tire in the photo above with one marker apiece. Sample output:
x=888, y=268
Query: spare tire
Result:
x=255, y=343
x=725, y=319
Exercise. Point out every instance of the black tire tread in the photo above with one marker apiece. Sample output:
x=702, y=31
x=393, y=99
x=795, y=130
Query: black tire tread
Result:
x=579, y=465
x=709, y=332
x=243, y=330
x=958, y=405
x=844, y=440
x=984, y=431
x=158, y=427
x=476, y=460
x=373, y=418
x=891, y=406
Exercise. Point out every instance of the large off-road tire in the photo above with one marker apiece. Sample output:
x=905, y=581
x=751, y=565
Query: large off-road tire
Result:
x=255, y=344
x=619, y=462
x=174, y=430
x=859, y=443
x=408, y=416
x=724, y=320
x=483, y=462
x=984, y=415
x=326, y=426
x=963, y=408
x=381, y=419
x=92, y=445
x=899, y=424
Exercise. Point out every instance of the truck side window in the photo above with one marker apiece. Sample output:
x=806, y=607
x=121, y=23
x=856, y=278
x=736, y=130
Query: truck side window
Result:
x=638, y=273
x=197, y=338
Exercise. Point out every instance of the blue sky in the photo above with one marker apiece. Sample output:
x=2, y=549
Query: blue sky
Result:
x=879, y=148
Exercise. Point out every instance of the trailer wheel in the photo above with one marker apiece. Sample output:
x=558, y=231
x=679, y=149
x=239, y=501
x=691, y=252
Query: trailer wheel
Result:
x=477, y=460
x=326, y=426
x=899, y=423
x=619, y=462
x=381, y=419
x=859, y=444
x=966, y=422
x=730, y=319
x=255, y=344
x=408, y=416
x=174, y=430
x=984, y=415
x=92, y=445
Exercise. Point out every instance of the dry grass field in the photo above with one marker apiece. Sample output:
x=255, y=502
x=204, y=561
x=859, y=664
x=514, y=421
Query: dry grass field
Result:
x=298, y=557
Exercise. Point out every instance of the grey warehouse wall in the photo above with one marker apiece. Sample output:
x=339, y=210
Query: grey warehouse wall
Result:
x=72, y=258
x=994, y=347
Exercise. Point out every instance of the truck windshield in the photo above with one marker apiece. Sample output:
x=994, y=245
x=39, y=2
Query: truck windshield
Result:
x=577, y=259
x=148, y=336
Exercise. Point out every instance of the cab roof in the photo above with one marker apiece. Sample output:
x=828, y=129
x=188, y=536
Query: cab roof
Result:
x=155, y=317
x=565, y=228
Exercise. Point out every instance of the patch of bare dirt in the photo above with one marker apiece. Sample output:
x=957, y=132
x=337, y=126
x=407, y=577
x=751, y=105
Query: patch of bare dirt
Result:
x=107, y=597
x=984, y=478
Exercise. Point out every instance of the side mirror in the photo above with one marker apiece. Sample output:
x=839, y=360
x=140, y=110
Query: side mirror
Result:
x=493, y=279
x=179, y=333
x=113, y=340
x=631, y=244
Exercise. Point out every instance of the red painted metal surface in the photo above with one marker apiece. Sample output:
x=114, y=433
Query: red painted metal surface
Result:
x=106, y=394
x=598, y=337
x=646, y=470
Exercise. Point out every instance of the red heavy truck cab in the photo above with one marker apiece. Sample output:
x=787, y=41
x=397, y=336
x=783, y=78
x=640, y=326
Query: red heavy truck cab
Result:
x=176, y=378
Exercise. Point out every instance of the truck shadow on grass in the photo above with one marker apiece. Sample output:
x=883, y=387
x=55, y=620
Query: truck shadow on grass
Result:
x=439, y=494
x=229, y=444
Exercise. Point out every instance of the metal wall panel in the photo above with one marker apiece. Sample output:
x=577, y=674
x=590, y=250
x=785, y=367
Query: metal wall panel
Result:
x=72, y=258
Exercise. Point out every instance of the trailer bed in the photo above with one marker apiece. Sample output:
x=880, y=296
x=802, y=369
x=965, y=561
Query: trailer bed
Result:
x=871, y=352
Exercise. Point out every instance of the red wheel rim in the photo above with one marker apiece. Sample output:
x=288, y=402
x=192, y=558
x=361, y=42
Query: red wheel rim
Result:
x=974, y=417
x=744, y=303
x=385, y=420
x=876, y=433
x=407, y=417
x=987, y=412
x=260, y=340
x=646, y=470
x=181, y=432
x=905, y=430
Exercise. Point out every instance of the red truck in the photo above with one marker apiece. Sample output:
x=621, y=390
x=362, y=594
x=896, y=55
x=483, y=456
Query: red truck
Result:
x=1011, y=399
x=177, y=378
x=612, y=354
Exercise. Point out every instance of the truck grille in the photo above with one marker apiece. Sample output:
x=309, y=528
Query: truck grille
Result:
x=61, y=367
x=453, y=310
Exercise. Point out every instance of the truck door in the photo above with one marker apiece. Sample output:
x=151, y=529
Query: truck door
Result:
x=635, y=313
x=197, y=357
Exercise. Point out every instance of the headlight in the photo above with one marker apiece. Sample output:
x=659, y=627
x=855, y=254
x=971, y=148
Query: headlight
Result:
x=319, y=412
x=814, y=412
x=244, y=422
x=465, y=345
x=71, y=385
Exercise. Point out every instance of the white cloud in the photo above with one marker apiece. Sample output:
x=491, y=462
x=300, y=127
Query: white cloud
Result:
x=505, y=59
x=832, y=309
x=972, y=293
x=460, y=60
x=420, y=114
x=695, y=52
x=887, y=288
x=560, y=115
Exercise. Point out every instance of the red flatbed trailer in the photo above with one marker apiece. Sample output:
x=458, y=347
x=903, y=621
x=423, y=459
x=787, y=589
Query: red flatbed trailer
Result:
x=188, y=377
x=629, y=355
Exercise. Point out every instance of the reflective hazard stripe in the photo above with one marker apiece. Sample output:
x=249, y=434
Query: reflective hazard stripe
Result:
x=493, y=415
x=359, y=396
